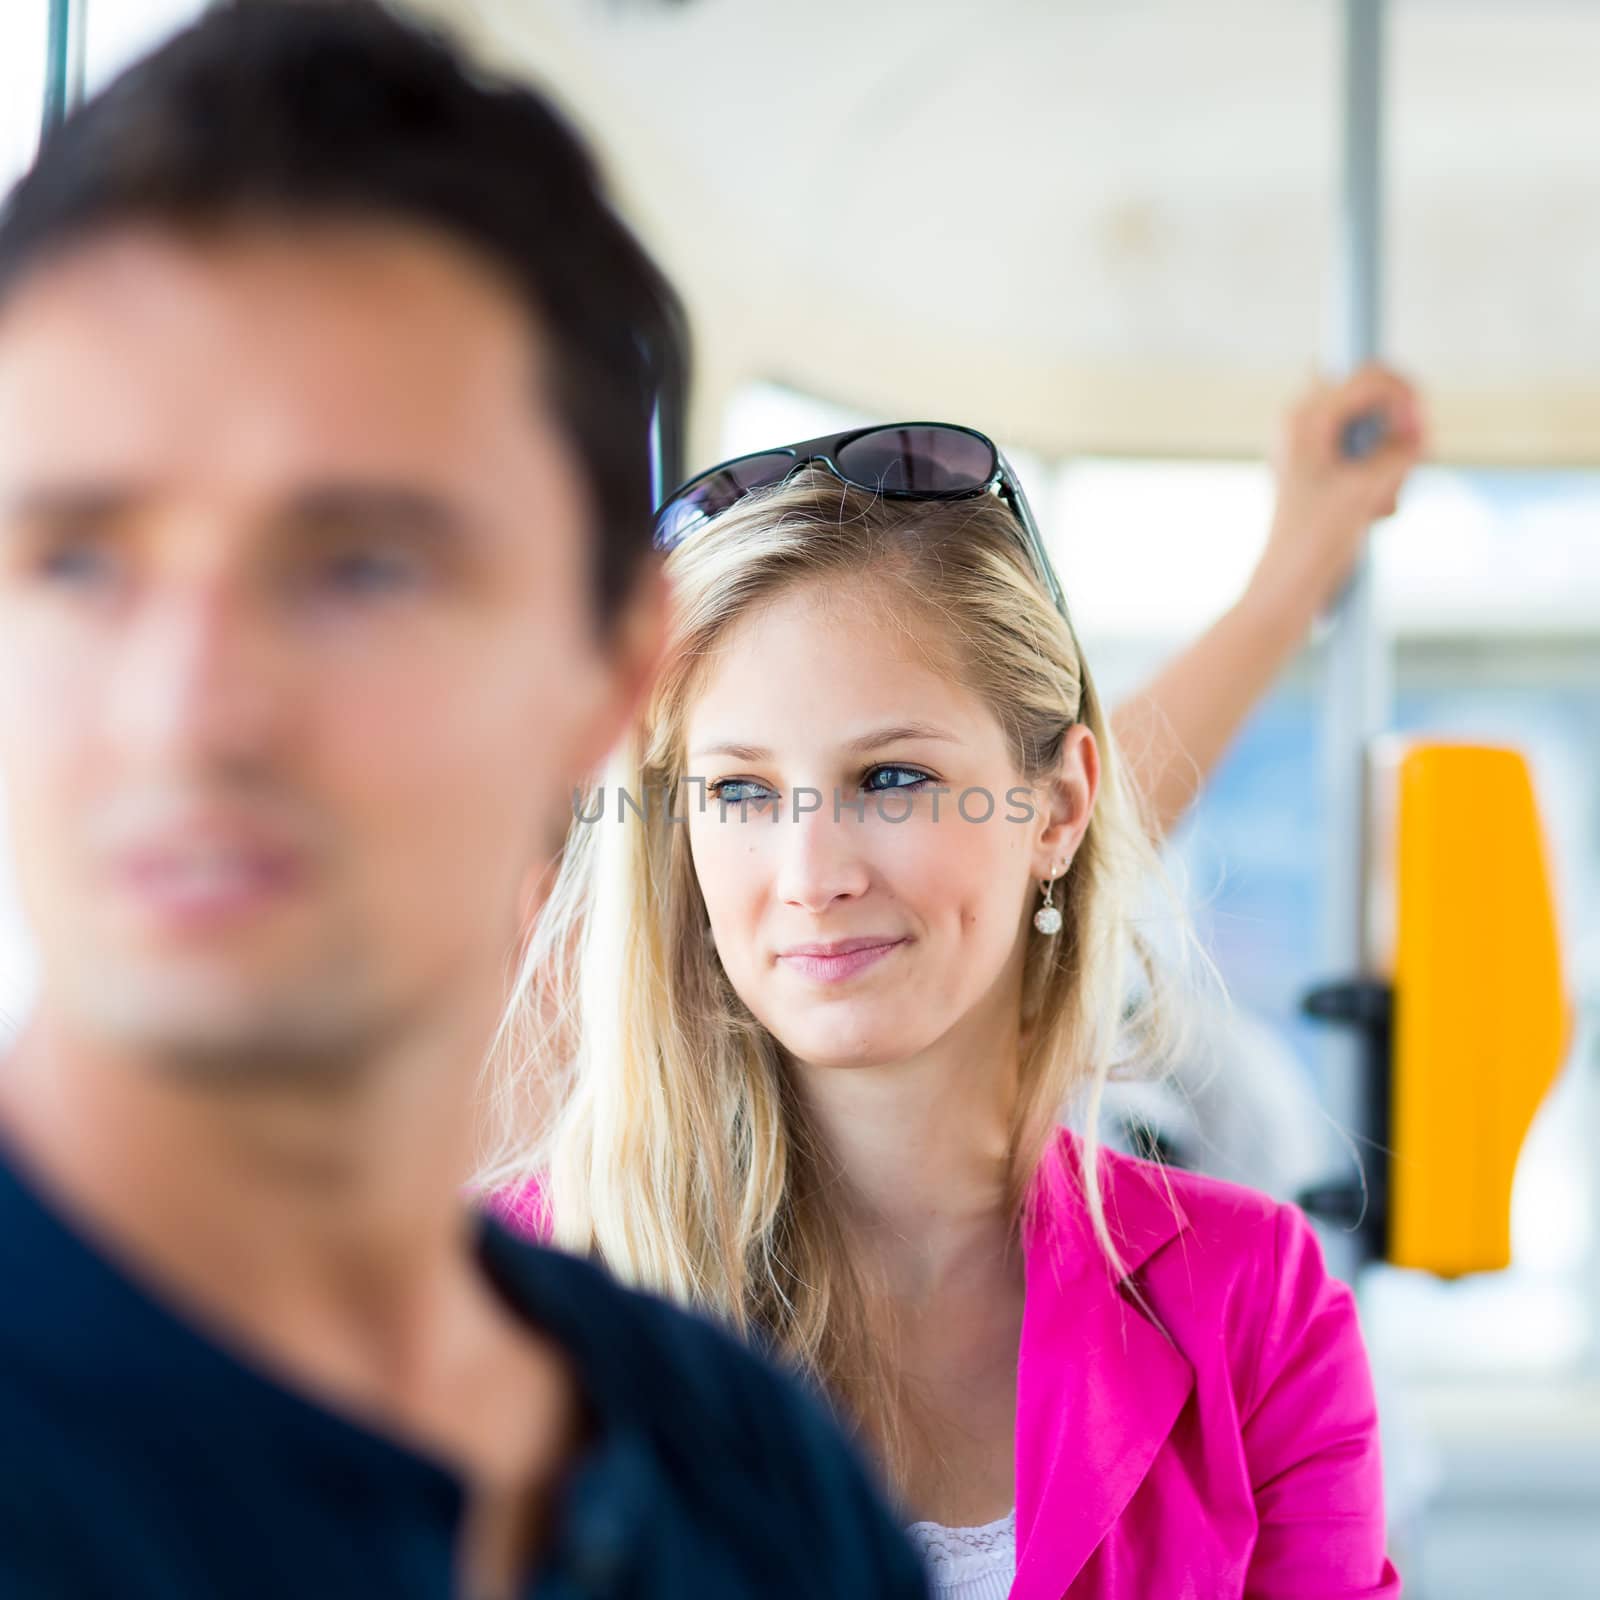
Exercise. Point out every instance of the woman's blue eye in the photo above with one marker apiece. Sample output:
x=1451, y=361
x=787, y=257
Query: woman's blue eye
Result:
x=731, y=791
x=897, y=778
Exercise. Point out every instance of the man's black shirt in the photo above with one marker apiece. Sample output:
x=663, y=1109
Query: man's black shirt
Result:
x=142, y=1461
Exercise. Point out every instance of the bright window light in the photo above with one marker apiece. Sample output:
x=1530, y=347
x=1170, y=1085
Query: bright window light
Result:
x=1155, y=548
x=23, y=36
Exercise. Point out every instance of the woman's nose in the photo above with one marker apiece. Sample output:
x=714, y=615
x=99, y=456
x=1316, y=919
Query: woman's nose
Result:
x=821, y=859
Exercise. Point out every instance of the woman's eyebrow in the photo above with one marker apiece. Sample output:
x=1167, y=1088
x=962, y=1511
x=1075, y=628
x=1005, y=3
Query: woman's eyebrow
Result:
x=873, y=739
x=739, y=752
x=899, y=732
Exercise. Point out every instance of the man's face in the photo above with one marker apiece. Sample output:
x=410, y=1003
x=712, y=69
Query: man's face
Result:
x=297, y=656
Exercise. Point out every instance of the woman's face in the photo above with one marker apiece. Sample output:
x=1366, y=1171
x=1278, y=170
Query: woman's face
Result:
x=868, y=853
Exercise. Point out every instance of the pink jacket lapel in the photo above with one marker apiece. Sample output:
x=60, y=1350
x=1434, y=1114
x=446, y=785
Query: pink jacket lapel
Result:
x=1099, y=1385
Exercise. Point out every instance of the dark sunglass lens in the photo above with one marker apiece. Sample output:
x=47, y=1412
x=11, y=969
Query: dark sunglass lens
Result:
x=710, y=497
x=921, y=460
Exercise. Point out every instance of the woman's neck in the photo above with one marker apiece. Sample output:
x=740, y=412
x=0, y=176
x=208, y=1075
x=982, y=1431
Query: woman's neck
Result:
x=923, y=1148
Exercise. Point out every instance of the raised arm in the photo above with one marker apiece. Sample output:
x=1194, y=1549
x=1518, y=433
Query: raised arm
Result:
x=1175, y=729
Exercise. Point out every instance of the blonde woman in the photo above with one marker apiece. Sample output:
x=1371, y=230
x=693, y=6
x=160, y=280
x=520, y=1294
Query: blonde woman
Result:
x=849, y=927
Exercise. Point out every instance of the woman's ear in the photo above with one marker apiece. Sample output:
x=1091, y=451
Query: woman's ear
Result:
x=1069, y=804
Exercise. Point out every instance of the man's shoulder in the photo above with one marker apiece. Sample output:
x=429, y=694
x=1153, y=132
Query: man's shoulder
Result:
x=629, y=1334
x=755, y=1443
x=658, y=1363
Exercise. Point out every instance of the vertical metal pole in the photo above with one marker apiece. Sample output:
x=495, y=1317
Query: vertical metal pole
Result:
x=1358, y=692
x=63, y=69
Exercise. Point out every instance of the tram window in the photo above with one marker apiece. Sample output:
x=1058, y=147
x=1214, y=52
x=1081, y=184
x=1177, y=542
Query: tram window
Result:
x=115, y=32
x=1253, y=858
x=1487, y=646
x=23, y=36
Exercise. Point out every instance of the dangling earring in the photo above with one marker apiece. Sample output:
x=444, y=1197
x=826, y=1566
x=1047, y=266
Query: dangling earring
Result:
x=1047, y=919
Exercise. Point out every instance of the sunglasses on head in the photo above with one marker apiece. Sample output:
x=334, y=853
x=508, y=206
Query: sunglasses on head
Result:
x=900, y=461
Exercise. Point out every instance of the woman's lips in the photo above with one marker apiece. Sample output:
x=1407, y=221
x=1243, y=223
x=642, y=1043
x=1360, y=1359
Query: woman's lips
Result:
x=834, y=963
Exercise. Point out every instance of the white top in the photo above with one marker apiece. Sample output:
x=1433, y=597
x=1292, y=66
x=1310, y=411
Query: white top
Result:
x=968, y=1563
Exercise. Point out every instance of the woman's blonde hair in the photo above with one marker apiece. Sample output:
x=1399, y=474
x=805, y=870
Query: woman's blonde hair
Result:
x=675, y=1146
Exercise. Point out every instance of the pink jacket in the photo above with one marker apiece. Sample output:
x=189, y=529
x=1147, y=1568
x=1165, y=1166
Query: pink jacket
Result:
x=1218, y=1443
x=1234, y=1454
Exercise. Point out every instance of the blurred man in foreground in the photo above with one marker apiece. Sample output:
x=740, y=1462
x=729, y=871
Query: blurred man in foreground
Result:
x=325, y=386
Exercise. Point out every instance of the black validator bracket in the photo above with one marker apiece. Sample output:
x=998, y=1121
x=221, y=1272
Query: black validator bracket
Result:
x=1360, y=1203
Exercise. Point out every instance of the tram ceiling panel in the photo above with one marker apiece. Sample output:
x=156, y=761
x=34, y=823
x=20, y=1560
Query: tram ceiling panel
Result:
x=1100, y=226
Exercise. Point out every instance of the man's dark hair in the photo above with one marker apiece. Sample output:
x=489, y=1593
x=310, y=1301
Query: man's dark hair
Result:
x=310, y=109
